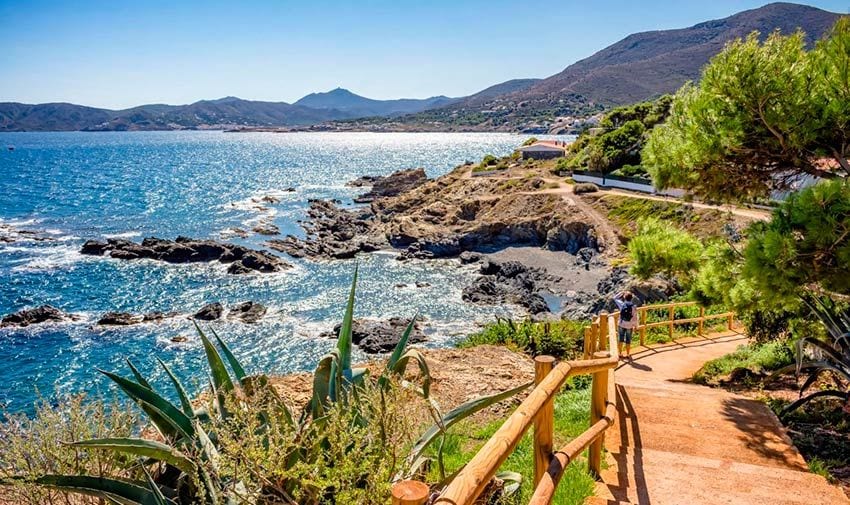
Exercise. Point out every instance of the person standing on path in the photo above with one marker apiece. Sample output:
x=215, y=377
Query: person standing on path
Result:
x=628, y=322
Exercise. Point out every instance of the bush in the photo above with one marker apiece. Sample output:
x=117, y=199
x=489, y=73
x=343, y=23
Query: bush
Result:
x=757, y=358
x=585, y=187
x=562, y=339
x=32, y=447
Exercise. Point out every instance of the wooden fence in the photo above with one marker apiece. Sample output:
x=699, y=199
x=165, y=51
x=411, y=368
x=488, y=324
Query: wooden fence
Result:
x=538, y=410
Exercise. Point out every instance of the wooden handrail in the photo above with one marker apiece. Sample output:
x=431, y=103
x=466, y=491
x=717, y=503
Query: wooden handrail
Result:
x=600, y=360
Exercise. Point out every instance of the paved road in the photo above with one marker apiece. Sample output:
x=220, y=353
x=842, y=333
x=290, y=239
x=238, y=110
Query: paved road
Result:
x=677, y=443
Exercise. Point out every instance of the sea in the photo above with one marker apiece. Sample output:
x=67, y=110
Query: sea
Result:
x=75, y=186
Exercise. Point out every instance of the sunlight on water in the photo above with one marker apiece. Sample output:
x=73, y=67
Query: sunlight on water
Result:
x=71, y=187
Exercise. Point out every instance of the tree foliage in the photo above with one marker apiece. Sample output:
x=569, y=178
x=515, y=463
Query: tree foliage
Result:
x=763, y=116
x=660, y=248
x=622, y=138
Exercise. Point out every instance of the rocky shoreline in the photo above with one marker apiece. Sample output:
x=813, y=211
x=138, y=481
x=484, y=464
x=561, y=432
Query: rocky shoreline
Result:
x=186, y=250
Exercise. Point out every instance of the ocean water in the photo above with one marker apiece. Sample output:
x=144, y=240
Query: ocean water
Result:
x=70, y=187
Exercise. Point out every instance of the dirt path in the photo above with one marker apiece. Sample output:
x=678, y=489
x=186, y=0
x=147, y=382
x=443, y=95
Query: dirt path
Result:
x=676, y=443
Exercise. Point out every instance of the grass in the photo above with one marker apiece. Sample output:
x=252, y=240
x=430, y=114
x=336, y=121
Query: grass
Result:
x=758, y=358
x=572, y=417
x=562, y=339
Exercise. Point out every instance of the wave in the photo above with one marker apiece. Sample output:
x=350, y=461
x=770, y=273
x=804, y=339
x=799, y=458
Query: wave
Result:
x=126, y=234
x=46, y=258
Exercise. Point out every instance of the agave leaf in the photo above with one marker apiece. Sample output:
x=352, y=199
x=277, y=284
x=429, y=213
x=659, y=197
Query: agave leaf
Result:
x=424, y=372
x=221, y=378
x=817, y=369
x=819, y=394
x=343, y=344
x=826, y=349
x=401, y=345
x=185, y=402
x=238, y=370
x=141, y=394
x=124, y=492
x=457, y=414
x=139, y=377
x=142, y=448
x=322, y=380
x=160, y=498
x=512, y=480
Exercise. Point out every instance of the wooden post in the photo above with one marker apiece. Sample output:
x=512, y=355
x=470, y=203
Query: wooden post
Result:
x=730, y=323
x=672, y=316
x=597, y=410
x=701, y=319
x=544, y=422
x=410, y=492
x=588, y=342
x=603, y=331
x=642, y=325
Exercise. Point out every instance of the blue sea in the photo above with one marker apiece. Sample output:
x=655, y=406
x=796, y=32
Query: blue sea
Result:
x=70, y=187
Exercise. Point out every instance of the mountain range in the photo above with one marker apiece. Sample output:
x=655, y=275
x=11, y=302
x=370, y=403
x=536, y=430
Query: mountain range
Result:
x=638, y=67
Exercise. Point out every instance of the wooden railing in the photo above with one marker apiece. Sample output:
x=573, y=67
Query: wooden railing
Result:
x=538, y=409
x=671, y=320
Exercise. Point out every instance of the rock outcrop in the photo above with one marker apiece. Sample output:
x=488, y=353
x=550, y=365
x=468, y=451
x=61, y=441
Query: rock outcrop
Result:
x=507, y=282
x=391, y=185
x=379, y=336
x=210, y=312
x=120, y=319
x=247, y=312
x=187, y=250
x=42, y=314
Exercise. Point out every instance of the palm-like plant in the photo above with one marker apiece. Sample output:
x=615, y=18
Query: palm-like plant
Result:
x=181, y=465
x=816, y=357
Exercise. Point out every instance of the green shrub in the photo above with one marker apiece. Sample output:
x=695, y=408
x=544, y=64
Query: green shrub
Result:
x=562, y=339
x=757, y=358
x=32, y=447
x=585, y=187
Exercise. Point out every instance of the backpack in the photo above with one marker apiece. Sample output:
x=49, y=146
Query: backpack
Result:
x=627, y=312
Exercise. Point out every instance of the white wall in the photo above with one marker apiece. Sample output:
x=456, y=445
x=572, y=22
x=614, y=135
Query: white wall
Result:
x=632, y=186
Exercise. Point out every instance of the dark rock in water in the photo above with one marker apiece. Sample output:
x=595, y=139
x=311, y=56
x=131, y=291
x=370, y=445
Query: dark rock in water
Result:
x=391, y=185
x=210, y=312
x=267, y=229
x=507, y=282
x=366, y=180
x=247, y=312
x=423, y=284
x=468, y=257
x=379, y=336
x=42, y=314
x=119, y=319
x=158, y=316
x=179, y=339
x=188, y=250
x=447, y=247
x=94, y=247
x=333, y=233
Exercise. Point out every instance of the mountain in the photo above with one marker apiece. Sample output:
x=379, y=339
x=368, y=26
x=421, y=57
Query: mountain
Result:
x=359, y=106
x=221, y=113
x=638, y=67
x=649, y=64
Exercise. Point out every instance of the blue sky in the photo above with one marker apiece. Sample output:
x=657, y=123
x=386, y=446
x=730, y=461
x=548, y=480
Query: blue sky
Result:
x=119, y=54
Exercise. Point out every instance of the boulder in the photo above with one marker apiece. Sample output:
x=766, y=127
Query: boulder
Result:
x=507, y=282
x=42, y=314
x=119, y=319
x=379, y=336
x=210, y=312
x=266, y=229
x=247, y=312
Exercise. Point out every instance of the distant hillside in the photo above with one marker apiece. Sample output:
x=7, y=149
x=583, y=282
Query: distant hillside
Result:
x=224, y=112
x=639, y=67
x=359, y=106
x=649, y=64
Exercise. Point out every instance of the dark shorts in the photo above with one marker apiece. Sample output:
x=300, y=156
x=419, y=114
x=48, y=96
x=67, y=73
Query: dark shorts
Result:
x=626, y=335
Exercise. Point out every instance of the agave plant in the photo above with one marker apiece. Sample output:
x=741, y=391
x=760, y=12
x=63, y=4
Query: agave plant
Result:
x=181, y=465
x=815, y=357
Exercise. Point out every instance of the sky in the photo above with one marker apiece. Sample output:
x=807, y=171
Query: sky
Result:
x=117, y=54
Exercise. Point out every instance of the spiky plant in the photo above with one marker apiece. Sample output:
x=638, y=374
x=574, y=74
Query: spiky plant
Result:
x=182, y=464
